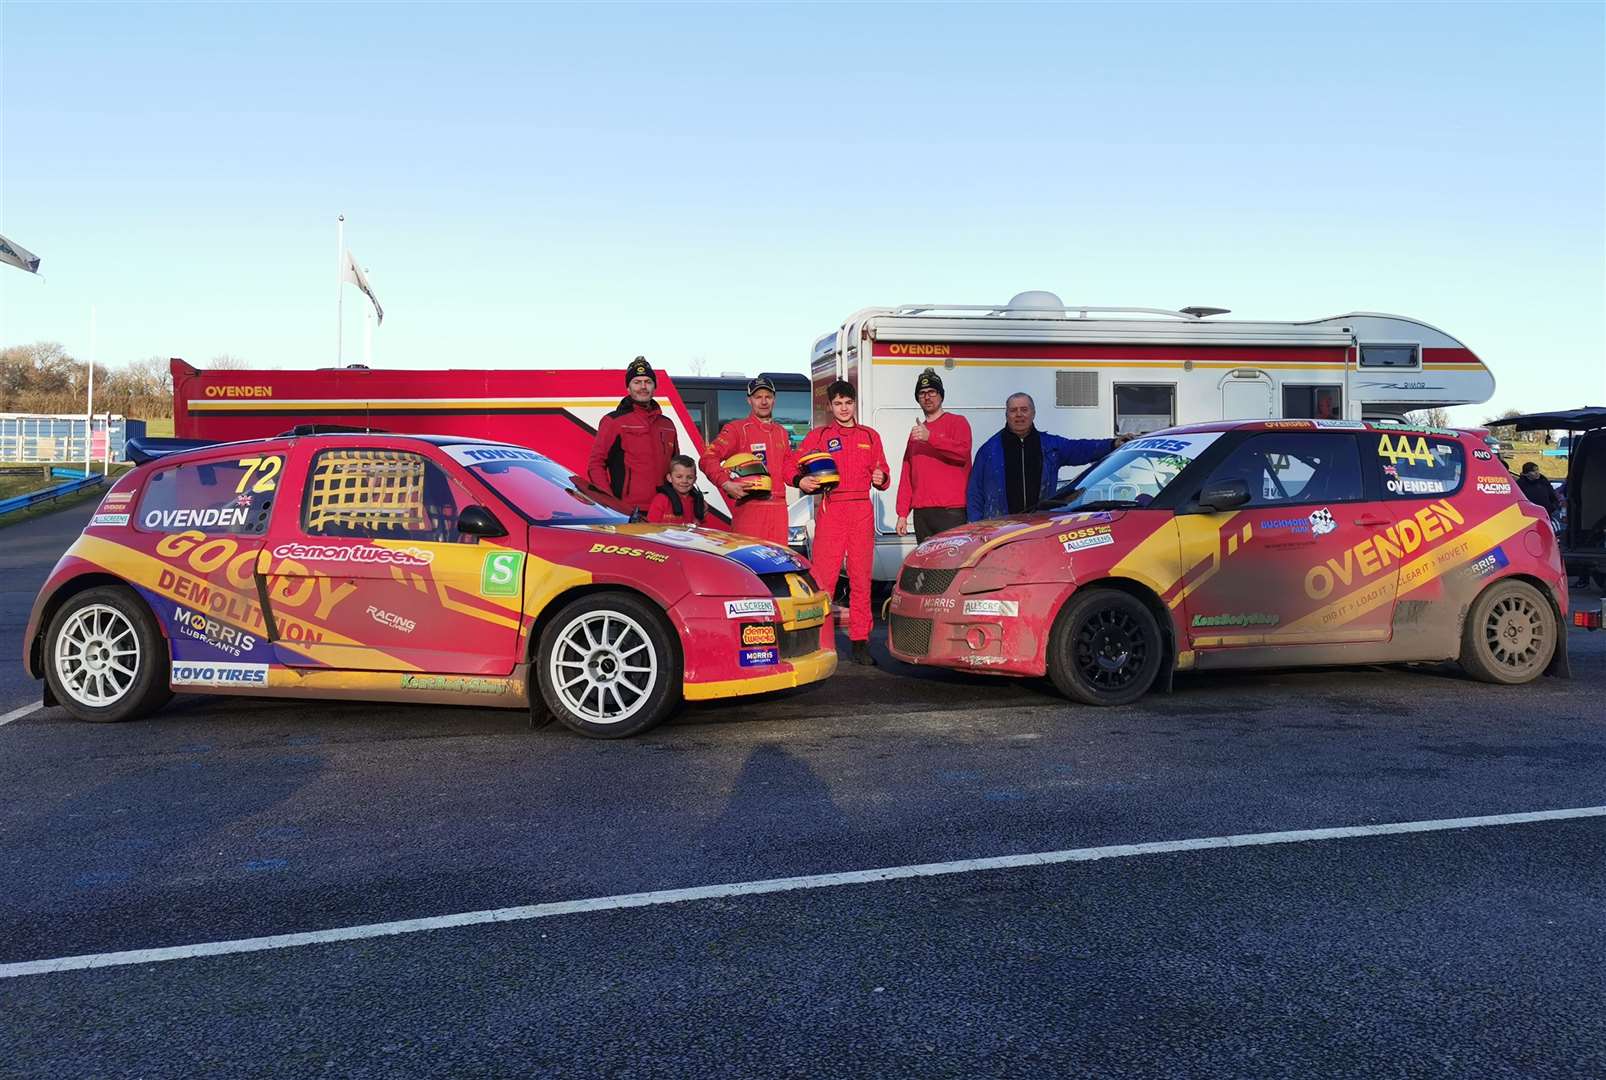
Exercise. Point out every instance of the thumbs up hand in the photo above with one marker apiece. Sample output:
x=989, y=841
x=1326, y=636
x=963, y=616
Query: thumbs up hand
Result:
x=920, y=433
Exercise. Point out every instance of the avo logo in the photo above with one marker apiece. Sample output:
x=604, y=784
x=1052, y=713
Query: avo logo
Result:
x=501, y=573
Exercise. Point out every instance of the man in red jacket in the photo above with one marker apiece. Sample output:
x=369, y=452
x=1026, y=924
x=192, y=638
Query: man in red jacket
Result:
x=845, y=517
x=936, y=464
x=759, y=434
x=630, y=456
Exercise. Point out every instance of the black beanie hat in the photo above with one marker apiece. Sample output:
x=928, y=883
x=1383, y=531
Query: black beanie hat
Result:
x=929, y=380
x=639, y=366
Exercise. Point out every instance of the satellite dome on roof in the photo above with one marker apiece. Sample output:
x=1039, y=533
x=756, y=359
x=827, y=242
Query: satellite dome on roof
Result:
x=1036, y=304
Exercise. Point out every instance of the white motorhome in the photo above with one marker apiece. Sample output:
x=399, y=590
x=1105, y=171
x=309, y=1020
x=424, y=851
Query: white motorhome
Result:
x=1097, y=371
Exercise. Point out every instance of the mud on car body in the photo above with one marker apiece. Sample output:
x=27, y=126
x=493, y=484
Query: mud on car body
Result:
x=423, y=569
x=1250, y=544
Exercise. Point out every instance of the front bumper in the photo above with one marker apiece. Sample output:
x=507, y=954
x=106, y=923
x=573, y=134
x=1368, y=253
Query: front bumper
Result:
x=729, y=655
x=804, y=670
x=1004, y=632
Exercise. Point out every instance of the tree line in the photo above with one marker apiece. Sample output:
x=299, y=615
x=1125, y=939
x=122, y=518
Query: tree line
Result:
x=46, y=378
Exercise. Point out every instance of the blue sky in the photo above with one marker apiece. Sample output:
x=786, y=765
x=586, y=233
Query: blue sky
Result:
x=563, y=186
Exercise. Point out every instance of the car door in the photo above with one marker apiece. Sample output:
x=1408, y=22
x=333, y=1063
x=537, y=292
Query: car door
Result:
x=372, y=573
x=1293, y=566
x=198, y=531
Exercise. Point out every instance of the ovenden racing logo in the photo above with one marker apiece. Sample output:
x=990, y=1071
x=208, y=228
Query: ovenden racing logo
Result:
x=356, y=553
x=1361, y=561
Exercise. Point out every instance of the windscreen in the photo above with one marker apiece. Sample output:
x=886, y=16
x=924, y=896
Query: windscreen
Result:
x=1134, y=475
x=540, y=488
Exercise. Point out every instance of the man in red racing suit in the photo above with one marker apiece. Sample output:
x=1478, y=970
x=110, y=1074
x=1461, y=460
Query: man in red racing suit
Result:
x=630, y=455
x=760, y=435
x=845, y=516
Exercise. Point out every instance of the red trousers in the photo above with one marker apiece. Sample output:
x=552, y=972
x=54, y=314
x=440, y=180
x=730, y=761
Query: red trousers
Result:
x=846, y=526
x=763, y=518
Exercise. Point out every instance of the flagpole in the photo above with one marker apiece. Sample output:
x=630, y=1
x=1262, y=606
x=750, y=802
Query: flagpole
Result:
x=340, y=293
x=89, y=401
x=367, y=338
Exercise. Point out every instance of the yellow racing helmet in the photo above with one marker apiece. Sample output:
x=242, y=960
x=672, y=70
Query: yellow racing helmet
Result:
x=753, y=474
x=822, y=467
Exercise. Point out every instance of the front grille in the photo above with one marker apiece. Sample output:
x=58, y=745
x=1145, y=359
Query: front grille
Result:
x=925, y=582
x=799, y=642
x=912, y=637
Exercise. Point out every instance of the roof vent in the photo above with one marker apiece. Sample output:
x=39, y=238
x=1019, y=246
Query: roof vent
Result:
x=1202, y=312
x=1035, y=304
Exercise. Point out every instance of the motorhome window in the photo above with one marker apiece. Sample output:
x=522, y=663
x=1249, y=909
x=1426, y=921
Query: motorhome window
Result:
x=791, y=411
x=1314, y=402
x=1144, y=407
x=1389, y=356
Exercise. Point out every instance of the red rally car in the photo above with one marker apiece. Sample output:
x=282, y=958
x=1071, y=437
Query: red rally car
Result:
x=1248, y=544
x=411, y=568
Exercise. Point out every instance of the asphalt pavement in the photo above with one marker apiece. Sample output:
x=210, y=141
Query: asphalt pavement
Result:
x=1463, y=952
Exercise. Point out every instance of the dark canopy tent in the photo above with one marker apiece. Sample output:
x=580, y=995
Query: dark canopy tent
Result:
x=1584, y=543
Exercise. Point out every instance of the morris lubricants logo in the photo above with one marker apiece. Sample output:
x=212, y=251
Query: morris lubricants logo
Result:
x=194, y=624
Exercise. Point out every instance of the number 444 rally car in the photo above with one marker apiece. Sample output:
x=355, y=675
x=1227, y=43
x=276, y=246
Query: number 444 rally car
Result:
x=420, y=569
x=1251, y=544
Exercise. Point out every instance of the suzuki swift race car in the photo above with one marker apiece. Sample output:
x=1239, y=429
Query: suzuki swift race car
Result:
x=411, y=568
x=1250, y=544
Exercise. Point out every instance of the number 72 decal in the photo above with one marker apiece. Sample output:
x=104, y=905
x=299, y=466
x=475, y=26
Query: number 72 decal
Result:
x=265, y=471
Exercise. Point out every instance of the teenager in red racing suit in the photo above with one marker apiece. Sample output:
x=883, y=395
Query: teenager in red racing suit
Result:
x=845, y=517
x=630, y=455
x=763, y=516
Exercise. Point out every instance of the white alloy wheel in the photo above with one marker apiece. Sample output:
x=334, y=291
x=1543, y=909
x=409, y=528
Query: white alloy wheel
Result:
x=97, y=656
x=604, y=667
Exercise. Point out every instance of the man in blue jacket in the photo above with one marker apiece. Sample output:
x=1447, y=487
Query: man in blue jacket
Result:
x=1020, y=466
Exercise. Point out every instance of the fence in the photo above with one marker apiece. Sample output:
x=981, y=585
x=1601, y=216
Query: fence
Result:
x=38, y=439
x=34, y=498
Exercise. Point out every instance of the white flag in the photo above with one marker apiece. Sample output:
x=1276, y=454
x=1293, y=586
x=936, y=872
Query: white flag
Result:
x=353, y=273
x=20, y=257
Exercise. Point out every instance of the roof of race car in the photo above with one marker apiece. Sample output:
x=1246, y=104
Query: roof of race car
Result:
x=178, y=455
x=1305, y=424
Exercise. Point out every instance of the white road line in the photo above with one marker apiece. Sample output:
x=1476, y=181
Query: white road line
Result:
x=771, y=885
x=18, y=714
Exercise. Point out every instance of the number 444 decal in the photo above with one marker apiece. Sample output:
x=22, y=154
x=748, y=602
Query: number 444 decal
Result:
x=501, y=573
x=1403, y=449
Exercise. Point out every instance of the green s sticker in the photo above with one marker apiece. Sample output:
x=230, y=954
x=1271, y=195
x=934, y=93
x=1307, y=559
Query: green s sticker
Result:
x=501, y=573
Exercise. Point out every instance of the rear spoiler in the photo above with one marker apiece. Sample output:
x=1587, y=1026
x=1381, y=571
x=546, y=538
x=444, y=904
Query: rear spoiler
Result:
x=149, y=448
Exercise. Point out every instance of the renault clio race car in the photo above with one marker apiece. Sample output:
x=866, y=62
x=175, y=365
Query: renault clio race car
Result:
x=411, y=568
x=1249, y=544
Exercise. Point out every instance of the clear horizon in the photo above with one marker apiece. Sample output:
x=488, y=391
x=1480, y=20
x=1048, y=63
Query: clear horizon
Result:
x=568, y=186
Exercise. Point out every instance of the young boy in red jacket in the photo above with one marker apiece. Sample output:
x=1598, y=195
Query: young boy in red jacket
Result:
x=678, y=501
x=845, y=517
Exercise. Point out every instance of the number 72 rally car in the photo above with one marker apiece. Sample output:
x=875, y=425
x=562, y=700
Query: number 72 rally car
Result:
x=1250, y=544
x=410, y=568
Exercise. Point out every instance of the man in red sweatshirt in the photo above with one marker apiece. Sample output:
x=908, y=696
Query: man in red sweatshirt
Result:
x=630, y=456
x=762, y=436
x=845, y=518
x=936, y=464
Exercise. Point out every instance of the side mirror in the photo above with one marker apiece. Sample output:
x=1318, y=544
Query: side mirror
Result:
x=478, y=521
x=1225, y=495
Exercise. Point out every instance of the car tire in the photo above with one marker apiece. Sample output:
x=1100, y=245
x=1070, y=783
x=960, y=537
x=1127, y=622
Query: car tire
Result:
x=105, y=659
x=1510, y=634
x=609, y=665
x=1105, y=648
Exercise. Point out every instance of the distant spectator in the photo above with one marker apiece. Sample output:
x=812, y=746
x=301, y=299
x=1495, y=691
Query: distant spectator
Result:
x=1537, y=489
